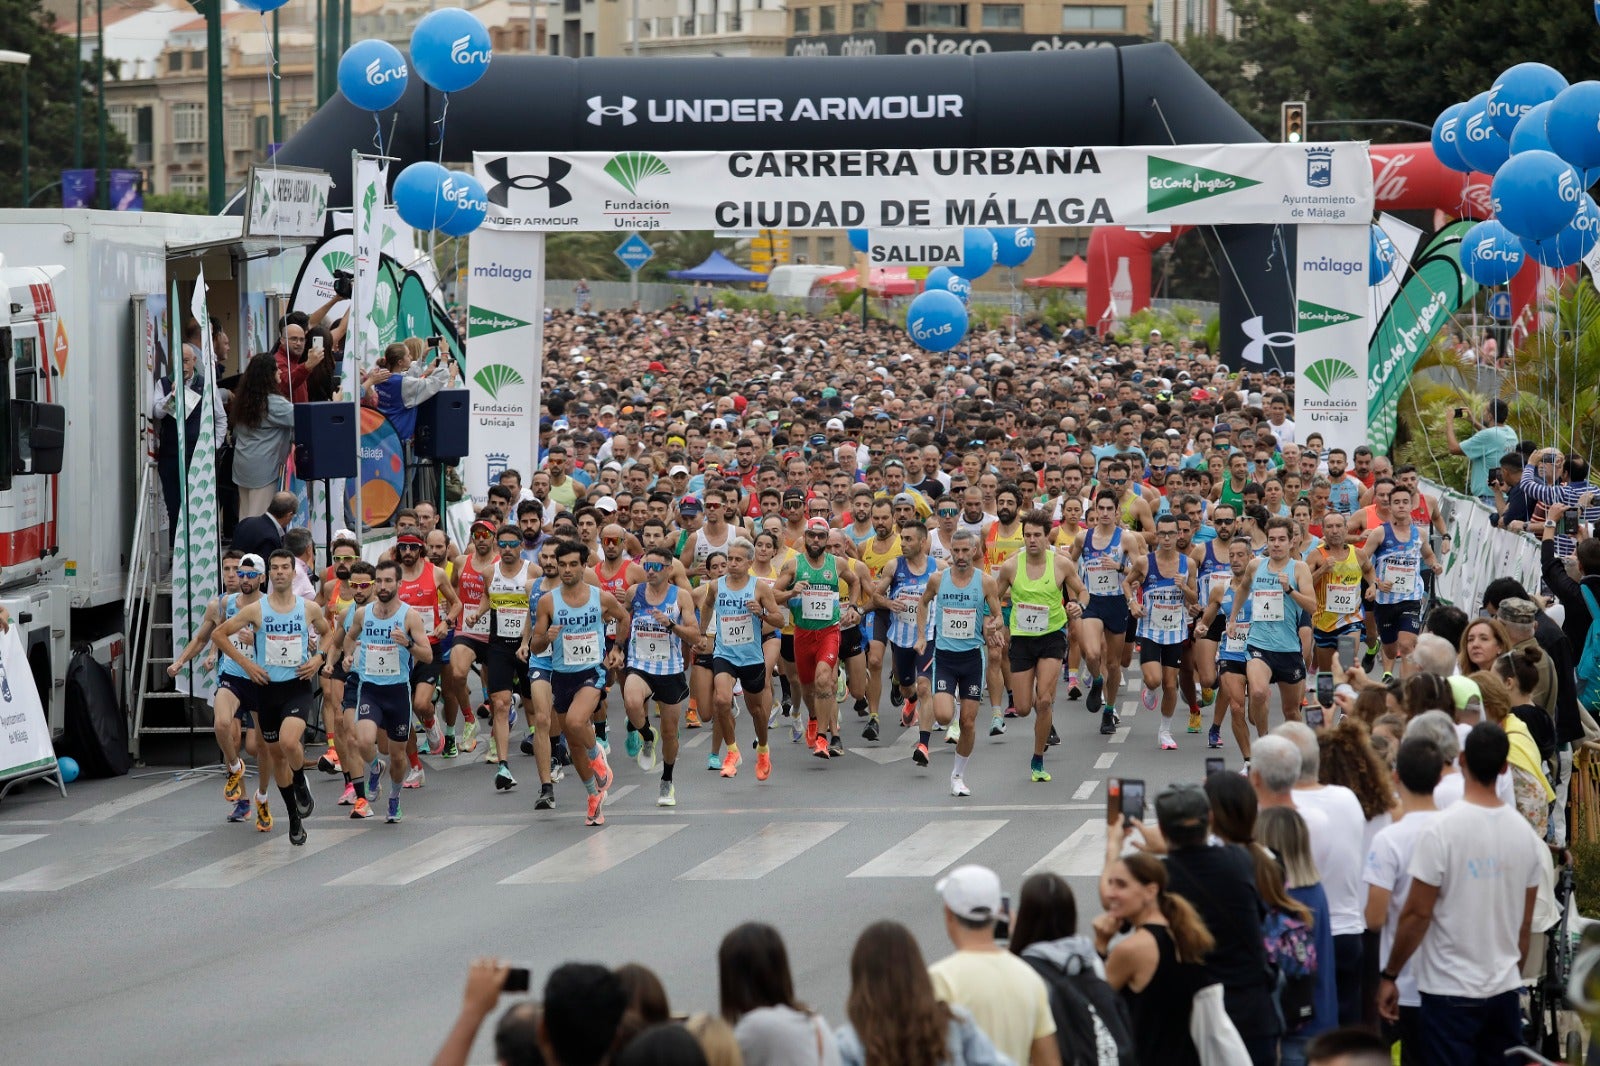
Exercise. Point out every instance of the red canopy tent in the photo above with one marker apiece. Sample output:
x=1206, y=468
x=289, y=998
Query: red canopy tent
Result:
x=881, y=281
x=1074, y=274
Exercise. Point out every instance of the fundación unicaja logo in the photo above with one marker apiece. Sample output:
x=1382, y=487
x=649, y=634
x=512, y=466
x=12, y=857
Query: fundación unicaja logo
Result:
x=481, y=321
x=1313, y=316
x=1326, y=373
x=496, y=376
x=1171, y=184
x=630, y=169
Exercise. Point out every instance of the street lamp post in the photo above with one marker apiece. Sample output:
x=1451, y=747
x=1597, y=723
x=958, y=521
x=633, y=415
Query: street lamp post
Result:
x=23, y=60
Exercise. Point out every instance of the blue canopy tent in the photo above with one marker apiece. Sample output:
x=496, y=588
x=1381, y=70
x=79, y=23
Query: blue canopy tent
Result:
x=717, y=267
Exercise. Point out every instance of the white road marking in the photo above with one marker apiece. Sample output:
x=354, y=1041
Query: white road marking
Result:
x=428, y=856
x=1086, y=789
x=1121, y=734
x=1080, y=855
x=273, y=853
x=1105, y=760
x=101, y=812
x=758, y=855
x=16, y=840
x=931, y=848
x=697, y=740
x=607, y=847
x=102, y=860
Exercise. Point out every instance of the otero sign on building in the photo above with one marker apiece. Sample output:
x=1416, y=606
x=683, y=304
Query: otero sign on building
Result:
x=911, y=43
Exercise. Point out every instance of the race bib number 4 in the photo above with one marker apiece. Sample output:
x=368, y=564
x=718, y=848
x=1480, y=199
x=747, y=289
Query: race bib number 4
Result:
x=817, y=606
x=959, y=623
x=285, y=649
x=1344, y=599
x=1030, y=617
x=580, y=649
x=736, y=629
x=1266, y=605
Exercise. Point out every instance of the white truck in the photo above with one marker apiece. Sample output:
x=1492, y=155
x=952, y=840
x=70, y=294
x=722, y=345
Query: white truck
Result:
x=79, y=354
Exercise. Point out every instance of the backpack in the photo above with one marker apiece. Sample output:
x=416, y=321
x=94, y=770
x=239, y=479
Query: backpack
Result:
x=1092, y=1023
x=1292, y=952
x=1589, y=661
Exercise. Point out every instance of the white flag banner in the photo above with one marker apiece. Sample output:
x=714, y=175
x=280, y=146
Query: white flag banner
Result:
x=505, y=346
x=1405, y=238
x=195, y=551
x=371, y=180
x=1286, y=184
x=1330, y=344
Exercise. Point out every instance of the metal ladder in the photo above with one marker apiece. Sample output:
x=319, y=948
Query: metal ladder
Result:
x=147, y=602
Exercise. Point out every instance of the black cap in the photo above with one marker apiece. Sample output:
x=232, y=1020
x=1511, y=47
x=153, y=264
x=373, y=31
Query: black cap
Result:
x=1182, y=805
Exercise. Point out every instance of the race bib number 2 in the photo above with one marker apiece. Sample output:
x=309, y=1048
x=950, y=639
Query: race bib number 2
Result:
x=285, y=650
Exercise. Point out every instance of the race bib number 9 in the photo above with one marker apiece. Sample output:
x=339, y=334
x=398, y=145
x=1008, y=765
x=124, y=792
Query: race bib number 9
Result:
x=650, y=648
x=580, y=649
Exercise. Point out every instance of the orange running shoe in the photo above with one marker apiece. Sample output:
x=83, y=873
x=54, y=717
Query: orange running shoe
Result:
x=594, y=816
x=908, y=714
x=811, y=733
x=763, y=766
x=233, y=788
x=263, y=817
x=362, y=808
x=820, y=748
x=692, y=719
x=730, y=763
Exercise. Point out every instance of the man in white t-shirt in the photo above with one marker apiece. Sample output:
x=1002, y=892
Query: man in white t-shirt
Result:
x=1447, y=736
x=1417, y=767
x=1474, y=876
x=1008, y=1000
x=1336, y=847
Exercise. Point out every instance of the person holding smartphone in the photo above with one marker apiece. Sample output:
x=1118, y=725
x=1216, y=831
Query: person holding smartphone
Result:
x=1483, y=448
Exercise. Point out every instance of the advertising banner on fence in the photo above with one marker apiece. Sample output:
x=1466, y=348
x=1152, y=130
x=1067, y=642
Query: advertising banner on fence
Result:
x=1289, y=184
x=505, y=330
x=1480, y=553
x=1331, y=335
x=25, y=747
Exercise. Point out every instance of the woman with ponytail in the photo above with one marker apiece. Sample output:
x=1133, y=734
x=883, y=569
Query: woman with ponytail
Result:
x=1157, y=965
x=1283, y=831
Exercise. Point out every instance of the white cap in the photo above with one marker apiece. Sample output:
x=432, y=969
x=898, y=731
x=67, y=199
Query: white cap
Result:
x=253, y=563
x=679, y=469
x=719, y=423
x=835, y=423
x=346, y=534
x=606, y=503
x=971, y=892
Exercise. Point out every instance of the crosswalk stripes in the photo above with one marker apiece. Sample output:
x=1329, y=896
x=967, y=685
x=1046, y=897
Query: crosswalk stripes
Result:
x=431, y=854
x=931, y=848
x=594, y=855
x=102, y=812
x=16, y=840
x=758, y=855
x=1085, y=790
x=1105, y=760
x=274, y=853
x=121, y=852
x=1080, y=855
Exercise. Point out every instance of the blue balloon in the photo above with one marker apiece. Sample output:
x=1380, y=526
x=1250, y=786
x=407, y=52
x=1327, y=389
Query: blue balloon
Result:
x=1575, y=241
x=1571, y=125
x=262, y=6
x=424, y=194
x=1536, y=194
x=1529, y=136
x=1446, y=136
x=471, y=205
x=1517, y=90
x=1490, y=253
x=978, y=254
x=69, y=769
x=450, y=48
x=1013, y=244
x=858, y=239
x=373, y=75
x=1481, y=147
x=1381, y=256
x=947, y=280
x=937, y=320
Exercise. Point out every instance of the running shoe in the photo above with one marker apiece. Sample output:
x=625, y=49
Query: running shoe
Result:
x=559, y=751
x=297, y=832
x=1165, y=737
x=1093, y=702
x=1369, y=657
x=241, y=810
x=483, y=710
x=450, y=749
x=730, y=763
x=469, y=734
x=1147, y=698
x=668, y=796
x=1208, y=696
x=811, y=732
x=602, y=772
x=1011, y=711
x=1214, y=737
x=919, y=754
x=714, y=761
x=304, y=801
x=796, y=730
x=692, y=719
x=633, y=744
x=1194, y=721
x=329, y=763
x=493, y=758
x=835, y=748
x=908, y=714
x=546, y=800
x=435, y=737
x=763, y=765
x=416, y=777
x=604, y=744
x=896, y=697
x=233, y=788
x=646, y=752
x=394, y=810
x=774, y=715
x=861, y=708
x=263, y=817
x=1039, y=775
x=375, y=778
x=594, y=816
x=557, y=773
x=503, y=781
x=424, y=742
x=348, y=796
x=1108, y=722
x=871, y=731
x=819, y=748
x=1388, y=676
x=958, y=786
x=1074, y=692
x=952, y=733
x=997, y=726
x=526, y=747
x=1054, y=738
x=362, y=809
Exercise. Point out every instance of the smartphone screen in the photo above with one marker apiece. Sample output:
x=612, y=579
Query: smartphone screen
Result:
x=1215, y=764
x=516, y=980
x=1133, y=798
x=1569, y=523
x=1314, y=717
x=1002, y=928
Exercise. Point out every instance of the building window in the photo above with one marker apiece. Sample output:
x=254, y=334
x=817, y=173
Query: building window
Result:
x=197, y=60
x=802, y=20
x=862, y=16
x=238, y=129
x=936, y=16
x=124, y=118
x=174, y=61
x=800, y=250
x=827, y=19
x=825, y=249
x=189, y=184
x=188, y=123
x=1084, y=17
x=1002, y=16
x=293, y=119
x=588, y=44
x=1067, y=247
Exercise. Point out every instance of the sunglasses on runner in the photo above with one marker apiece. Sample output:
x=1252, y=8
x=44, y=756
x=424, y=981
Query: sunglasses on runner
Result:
x=653, y=566
x=482, y=534
x=345, y=558
x=357, y=586
x=510, y=543
x=249, y=574
x=610, y=540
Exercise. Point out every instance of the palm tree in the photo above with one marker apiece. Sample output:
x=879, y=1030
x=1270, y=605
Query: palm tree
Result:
x=583, y=255
x=682, y=249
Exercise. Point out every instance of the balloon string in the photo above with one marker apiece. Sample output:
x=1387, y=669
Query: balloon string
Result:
x=272, y=103
x=444, y=113
x=377, y=133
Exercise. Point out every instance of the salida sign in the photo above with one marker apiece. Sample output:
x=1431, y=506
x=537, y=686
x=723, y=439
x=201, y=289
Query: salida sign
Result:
x=919, y=247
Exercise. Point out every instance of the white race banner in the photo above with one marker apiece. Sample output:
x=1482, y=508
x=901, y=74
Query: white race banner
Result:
x=918, y=247
x=371, y=179
x=1287, y=184
x=25, y=746
x=287, y=201
x=1330, y=344
x=505, y=342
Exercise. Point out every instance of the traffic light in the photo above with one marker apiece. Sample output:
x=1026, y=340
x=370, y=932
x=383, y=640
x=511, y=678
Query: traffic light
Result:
x=1294, y=121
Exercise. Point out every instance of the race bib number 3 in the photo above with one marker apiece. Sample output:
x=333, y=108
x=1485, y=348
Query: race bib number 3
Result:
x=383, y=660
x=580, y=649
x=959, y=623
x=817, y=606
x=285, y=650
x=1030, y=617
x=1344, y=599
x=1266, y=605
x=736, y=629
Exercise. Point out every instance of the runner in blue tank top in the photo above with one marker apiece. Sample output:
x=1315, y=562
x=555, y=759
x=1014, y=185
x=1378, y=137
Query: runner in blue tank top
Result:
x=1160, y=588
x=1282, y=602
x=382, y=641
x=1213, y=561
x=572, y=621
x=1102, y=554
x=898, y=593
x=964, y=610
x=1232, y=653
x=1397, y=549
x=738, y=609
x=285, y=661
x=663, y=623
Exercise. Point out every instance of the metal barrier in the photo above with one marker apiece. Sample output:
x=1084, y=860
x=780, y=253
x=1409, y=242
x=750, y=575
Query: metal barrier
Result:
x=1480, y=552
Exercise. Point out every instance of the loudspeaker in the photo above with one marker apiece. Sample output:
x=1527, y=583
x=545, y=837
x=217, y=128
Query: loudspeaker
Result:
x=442, y=426
x=325, y=441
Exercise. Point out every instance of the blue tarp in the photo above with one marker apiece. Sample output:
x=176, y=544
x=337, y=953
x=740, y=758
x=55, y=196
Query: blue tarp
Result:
x=717, y=267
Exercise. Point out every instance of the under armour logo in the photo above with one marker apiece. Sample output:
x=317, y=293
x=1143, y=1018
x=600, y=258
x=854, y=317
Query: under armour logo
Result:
x=1255, y=330
x=550, y=183
x=598, y=111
